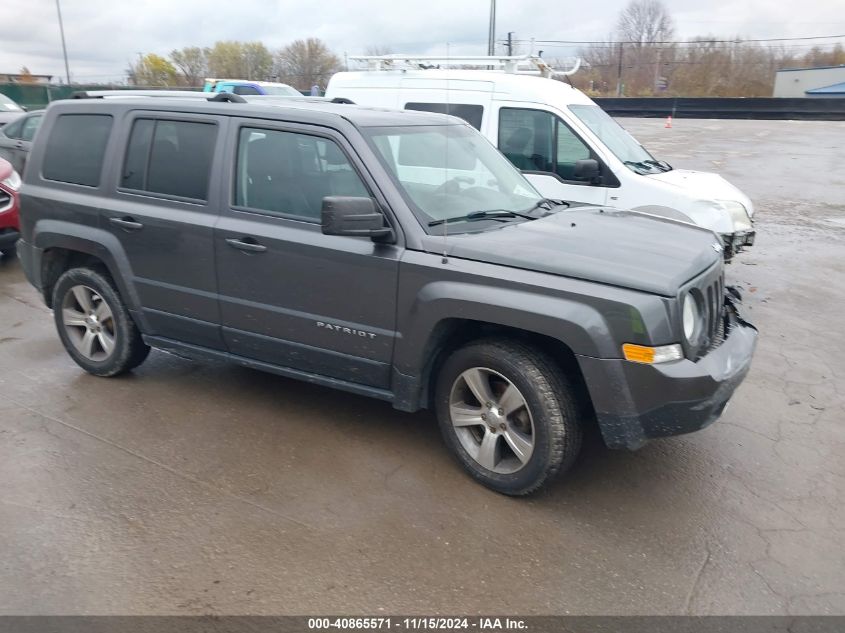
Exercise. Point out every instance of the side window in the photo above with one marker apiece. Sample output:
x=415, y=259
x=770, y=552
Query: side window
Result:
x=76, y=148
x=526, y=138
x=30, y=126
x=570, y=149
x=470, y=113
x=169, y=157
x=13, y=130
x=245, y=90
x=285, y=173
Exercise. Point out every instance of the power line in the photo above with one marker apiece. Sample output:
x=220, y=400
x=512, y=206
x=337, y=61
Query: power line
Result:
x=695, y=41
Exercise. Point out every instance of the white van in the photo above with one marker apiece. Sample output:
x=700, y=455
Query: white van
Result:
x=568, y=147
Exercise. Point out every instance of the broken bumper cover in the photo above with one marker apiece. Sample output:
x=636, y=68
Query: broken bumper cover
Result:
x=636, y=402
x=735, y=242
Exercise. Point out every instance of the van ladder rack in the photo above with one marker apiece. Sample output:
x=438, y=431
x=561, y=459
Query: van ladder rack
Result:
x=517, y=64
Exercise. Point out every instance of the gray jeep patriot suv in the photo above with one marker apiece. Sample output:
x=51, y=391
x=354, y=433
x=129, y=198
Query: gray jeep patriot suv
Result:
x=391, y=254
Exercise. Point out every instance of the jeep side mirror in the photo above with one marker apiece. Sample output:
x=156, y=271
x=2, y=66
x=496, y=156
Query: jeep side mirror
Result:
x=357, y=217
x=586, y=169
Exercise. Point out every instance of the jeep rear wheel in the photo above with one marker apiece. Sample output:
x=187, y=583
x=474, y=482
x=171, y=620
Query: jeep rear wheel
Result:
x=508, y=414
x=94, y=324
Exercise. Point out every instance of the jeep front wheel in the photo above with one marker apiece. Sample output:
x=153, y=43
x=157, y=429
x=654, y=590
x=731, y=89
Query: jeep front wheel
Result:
x=508, y=414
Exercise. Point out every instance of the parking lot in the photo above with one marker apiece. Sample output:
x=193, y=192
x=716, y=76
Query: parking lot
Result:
x=191, y=487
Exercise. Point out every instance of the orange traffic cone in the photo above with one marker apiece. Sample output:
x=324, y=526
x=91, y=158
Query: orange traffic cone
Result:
x=668, y=121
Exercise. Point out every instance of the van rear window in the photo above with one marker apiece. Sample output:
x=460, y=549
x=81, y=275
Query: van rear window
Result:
x=76, y=147
x=470, y=113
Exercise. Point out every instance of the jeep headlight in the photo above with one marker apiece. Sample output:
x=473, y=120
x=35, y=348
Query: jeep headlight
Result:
x=691, y=318
x=12, y=181
x=738, y=213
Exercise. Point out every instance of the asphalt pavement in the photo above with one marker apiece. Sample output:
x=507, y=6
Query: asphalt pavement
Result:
x=188, y=487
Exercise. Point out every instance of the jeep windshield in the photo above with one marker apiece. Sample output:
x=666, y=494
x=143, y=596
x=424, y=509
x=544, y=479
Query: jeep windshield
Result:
x=617, y=139
x=450, y=174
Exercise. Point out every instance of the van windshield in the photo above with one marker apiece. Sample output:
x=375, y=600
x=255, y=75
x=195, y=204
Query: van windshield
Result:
x=624, y=146
x=452, y=174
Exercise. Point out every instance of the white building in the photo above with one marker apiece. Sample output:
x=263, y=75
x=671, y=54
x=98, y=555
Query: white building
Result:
x=824, y=81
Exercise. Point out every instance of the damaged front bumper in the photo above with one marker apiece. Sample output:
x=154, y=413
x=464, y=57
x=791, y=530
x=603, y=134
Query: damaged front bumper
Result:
x=733, y=243
x=636, y=402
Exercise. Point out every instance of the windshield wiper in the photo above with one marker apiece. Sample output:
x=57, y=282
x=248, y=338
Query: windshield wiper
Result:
x=662, y=165
x=643, y=166
x=491, y=214
x=547, y=204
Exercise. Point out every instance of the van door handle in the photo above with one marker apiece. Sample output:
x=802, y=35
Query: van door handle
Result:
x=127, y=223
x=246, y=244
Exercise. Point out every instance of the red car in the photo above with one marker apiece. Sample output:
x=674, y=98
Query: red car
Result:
x=10, y=182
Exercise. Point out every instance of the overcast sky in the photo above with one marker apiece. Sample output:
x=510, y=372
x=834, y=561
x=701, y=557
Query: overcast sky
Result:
x=103, y=35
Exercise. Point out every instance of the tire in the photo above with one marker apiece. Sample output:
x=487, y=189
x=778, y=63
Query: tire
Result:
x=495, y=450
x=94, y=325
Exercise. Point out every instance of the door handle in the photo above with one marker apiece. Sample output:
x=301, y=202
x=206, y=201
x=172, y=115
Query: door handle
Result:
x=246, y=244
x=127, y=223
x=19, y=145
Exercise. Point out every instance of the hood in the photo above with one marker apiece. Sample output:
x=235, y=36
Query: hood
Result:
x=703, y=185
x=610, y=246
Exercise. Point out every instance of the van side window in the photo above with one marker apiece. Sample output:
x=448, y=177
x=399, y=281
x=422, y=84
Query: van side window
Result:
x=169, y=157
x=470, y=113
x=289, y=174
x=245, y=90
x=535, y=140
x=76, y=148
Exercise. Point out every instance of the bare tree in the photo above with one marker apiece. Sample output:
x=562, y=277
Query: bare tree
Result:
x=645, y=22
x=377, y=50
x=258, y=60
x=304, y=63
x=191, y=63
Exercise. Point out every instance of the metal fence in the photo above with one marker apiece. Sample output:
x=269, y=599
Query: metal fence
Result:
x=36, y=96
x=725, y=107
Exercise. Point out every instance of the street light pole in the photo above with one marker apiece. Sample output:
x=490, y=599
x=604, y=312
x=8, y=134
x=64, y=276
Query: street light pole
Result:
x=491, y=33
x=64, y=46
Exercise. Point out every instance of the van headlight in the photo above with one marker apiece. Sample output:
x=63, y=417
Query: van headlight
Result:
x=739, y=214
x=12, y=181
x=691, y=318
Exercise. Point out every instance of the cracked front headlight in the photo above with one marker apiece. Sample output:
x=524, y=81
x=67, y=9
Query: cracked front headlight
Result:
x=739, y=214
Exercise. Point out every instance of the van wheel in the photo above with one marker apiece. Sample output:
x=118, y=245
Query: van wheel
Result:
x=94, y=324
x=508, y=414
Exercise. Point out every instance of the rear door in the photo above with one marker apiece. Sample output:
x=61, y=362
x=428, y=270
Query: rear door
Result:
x=290, y=295
x=163, y=210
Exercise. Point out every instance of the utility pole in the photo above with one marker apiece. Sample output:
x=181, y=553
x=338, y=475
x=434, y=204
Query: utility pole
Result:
x=510, y=43
x=64, y=47
x=491, y=33
x=619, y=73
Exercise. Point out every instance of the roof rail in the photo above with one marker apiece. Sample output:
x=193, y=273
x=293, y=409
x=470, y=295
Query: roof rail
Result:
x=228, y=97
x=103, y=94
x=515, y=64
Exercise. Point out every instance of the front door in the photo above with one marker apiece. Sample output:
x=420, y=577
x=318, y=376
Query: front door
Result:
x=289, y=295
x=163, y=213
x=546, y=149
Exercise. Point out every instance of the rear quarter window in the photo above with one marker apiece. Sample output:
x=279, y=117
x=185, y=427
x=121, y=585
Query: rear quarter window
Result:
x=76, y=147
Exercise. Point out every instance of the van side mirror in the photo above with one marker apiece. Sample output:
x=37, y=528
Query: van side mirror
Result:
x=587, y=169
x=356, y=217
